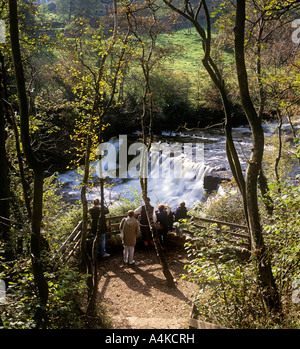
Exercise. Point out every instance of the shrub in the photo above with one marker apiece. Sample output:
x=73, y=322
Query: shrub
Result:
x=224, y=205
x=229, y=294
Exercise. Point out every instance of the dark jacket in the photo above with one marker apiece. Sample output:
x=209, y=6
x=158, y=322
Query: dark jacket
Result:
x=98, y=222
x=144, y=219
x=163, y=219
x=180, y=213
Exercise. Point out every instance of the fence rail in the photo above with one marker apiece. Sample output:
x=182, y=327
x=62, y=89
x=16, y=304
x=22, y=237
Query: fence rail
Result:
x=70, y=245
x=238, y=233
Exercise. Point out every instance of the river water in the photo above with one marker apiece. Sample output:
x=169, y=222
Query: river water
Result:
x=182, y=166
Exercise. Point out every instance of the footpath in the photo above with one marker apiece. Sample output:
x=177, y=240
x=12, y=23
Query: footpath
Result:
x=137, y=297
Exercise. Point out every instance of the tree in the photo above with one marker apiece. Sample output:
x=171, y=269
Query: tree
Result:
x=96, y=70
x=192, y=13
x=269, y=54
x=150, y=25
x=247, y=187
x=34, y=163
x=258, y=246
x=4, y=178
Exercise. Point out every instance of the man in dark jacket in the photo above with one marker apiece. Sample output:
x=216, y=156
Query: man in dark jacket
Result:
x=180, y=213
x=99, y=223
x=163, y=219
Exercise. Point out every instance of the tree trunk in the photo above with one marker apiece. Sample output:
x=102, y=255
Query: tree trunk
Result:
x=279, y=146
x=34, y=164
x=4, y=179
x=216, y=77
x=160, y=254
x=25, y=184
x=83, y=198
x=265, y=275
x=37, y=265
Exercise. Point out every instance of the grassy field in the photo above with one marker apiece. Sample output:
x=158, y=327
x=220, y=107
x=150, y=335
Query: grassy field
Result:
x=188, y=59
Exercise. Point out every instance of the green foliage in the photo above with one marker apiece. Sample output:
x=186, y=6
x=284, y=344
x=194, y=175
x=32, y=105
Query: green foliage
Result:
x=228, y=289
x=60, y=217
x=225, y=205
x=282, y=235
x=228, y=295
x=64, y=309
x=171, y=94
x=65, y=305
x=130, y=199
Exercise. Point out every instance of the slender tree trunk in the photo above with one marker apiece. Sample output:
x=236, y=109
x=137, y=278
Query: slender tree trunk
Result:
x=86, y=262
x=279, y=146
x=160, y=254
x=25, y=185
x=36, y=248
x=34, y=164
x=4, y=187
x=293, y=132
x=4, y=178
x=83, y=197
x=265, y=275
x=216, y=77
x=147, y=115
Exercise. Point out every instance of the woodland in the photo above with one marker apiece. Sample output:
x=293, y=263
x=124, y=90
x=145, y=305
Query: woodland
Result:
x=75, y=73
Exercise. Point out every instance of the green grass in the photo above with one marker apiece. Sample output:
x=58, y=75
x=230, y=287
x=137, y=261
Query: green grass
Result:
x=189, y=54
x=187, y=59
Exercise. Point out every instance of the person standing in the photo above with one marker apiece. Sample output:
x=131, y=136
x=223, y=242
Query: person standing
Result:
x=99, y=224
x=130, y=229
x=163, y=219
x=144, y=224
x=180, y=213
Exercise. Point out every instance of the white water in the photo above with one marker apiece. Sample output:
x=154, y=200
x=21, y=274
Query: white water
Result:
x=163, y=186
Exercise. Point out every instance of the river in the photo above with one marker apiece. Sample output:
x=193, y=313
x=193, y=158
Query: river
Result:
x=182, y=166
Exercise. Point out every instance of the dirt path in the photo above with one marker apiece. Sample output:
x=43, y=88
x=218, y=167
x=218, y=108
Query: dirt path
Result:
x=137, y=297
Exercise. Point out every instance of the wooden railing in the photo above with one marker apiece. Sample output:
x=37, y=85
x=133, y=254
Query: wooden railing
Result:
x=238, y=233
x=113, y=224
x=70, y=245
x=67, y=249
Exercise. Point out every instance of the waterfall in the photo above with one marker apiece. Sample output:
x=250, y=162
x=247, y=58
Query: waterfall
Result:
x=175, y=171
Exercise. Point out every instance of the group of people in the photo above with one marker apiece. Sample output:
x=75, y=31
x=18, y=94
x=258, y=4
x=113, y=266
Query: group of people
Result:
x=136, y=223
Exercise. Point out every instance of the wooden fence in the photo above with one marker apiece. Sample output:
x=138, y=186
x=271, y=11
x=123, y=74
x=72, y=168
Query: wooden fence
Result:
x=239, y=234
x=70, y=245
